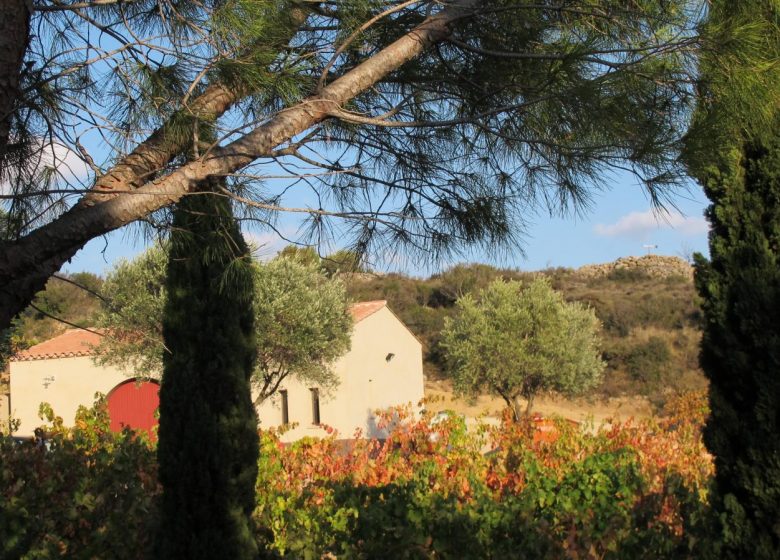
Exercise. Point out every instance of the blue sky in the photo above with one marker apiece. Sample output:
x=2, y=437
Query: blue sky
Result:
x=620, y=223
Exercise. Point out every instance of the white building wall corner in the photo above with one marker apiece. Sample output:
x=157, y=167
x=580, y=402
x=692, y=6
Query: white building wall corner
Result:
x=382, y=369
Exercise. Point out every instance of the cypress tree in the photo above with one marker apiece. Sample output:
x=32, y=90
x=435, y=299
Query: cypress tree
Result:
x=740, y=287
x=734, y=152
x=208, y=444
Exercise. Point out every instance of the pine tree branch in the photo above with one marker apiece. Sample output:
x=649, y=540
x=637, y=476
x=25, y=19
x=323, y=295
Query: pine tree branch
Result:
x=27, y=263
x=59, y=6
x=163, y=145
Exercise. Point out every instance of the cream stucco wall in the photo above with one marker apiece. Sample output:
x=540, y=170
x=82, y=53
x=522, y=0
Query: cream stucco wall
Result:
x=368, y=381
x=5, y=414
x=65, y=383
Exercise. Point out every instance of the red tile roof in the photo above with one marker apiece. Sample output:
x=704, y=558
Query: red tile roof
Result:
x=70, y=344
x=363, y=309
x=78, y=342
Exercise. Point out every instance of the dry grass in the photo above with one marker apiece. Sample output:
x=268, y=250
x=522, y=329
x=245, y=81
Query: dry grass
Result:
x=439, y=395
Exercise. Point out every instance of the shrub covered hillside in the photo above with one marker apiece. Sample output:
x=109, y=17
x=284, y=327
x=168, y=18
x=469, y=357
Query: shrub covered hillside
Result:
x=74, y=298
x=647, y=305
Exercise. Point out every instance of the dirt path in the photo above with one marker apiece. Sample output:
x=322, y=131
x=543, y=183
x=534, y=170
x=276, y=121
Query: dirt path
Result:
x=440, y=397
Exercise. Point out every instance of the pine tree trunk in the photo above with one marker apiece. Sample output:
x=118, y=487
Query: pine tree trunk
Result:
x=26, y=264
x=14, y=37
x=208, y=442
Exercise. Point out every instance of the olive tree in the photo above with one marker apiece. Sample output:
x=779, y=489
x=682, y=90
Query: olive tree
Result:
x=131, y=313
x=516, y=341
x=303, y=324
x=302, y=320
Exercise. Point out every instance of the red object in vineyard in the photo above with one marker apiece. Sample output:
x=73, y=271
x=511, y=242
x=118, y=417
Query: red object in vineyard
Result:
x=134, y=403
x=546, y=430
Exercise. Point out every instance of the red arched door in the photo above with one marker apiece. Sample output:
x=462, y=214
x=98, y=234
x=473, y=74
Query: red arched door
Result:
x=133, y=403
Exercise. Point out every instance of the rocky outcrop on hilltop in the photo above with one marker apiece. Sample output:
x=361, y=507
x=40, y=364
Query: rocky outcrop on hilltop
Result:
x=654, y=266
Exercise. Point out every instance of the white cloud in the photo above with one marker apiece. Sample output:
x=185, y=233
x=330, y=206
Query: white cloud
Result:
x=68, y=163
x=71, y=169
x=639, y=224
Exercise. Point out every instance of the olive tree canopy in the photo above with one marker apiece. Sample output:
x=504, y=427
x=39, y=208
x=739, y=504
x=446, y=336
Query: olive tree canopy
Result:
x=302, y=321
x=516, y=341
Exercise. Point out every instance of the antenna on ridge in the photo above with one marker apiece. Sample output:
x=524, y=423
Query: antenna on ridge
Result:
x=650, y=248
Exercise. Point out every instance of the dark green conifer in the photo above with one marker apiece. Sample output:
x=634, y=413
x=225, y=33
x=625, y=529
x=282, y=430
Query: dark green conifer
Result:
x=740, y=287
x=734, y=152
x=208, y=444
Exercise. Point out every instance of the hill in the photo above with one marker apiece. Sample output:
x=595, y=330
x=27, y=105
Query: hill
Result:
x=648, y=307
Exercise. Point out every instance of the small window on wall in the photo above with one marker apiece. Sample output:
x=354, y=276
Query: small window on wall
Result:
x=315, y=406
x=285, y=407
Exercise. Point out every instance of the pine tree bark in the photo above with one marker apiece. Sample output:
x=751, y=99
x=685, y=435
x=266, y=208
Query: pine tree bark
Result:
x=14, y=38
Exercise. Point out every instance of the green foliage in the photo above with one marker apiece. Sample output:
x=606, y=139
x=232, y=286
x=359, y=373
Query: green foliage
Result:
x=208, y=444
x=253, y=32
x=734, y=153
x=302, y=324
x=344, y=261
x=83, y=492
x=516, y=341
x=535, y=101
x=738, y=77
x=404, y=520
x=620, y=492
x=627, y=275
x=67, y=297
x=625, y=305
x=132, y=311
x=578, y=96
x=592, y=501
x=463, y=279
x=630, y=311
x=740, y=287
x=7, y=350
x=63, y=298
x=626, y=492
x=647, y=361
x=654, y=363
x=306, y=255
